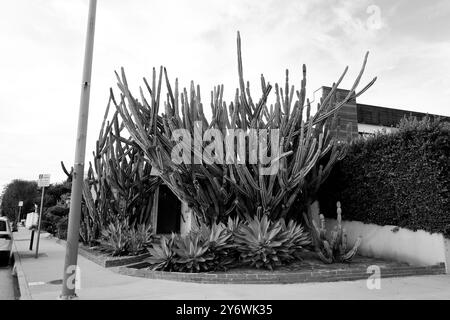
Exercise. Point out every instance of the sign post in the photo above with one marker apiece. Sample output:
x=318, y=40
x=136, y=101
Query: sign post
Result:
x=44, y=181
x=20, y=205
x=73, y=229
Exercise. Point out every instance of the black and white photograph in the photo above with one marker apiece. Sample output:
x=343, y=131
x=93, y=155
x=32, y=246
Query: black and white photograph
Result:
x=224, y=157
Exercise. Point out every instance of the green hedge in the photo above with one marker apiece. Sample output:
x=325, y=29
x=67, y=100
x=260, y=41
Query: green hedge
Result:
x=400, y=179
x=54, y=220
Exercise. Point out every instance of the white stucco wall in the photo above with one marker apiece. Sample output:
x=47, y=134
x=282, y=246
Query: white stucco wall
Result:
x=447, y=255
x=187, y=221
x=370, y=128
x=415, y=247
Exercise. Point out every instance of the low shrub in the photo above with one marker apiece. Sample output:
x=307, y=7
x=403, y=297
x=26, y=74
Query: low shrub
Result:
x=61, y=227
x=120, y=239
x=52, y=217
x=49, y=222
x=400, y=179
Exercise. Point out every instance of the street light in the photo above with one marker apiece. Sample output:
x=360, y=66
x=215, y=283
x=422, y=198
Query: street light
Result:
x=70, y=263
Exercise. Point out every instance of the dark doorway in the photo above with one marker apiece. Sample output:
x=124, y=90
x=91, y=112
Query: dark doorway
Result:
x=169, y=211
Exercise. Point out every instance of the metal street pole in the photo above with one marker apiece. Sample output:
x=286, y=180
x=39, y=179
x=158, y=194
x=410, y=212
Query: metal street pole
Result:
x=70, y=264
x=39, y=225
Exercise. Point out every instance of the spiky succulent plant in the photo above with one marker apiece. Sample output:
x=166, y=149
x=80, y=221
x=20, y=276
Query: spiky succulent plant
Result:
x=296, y=239
x=259, y=244
x=139, y=238
x=162, y=254
x=192, y=254
x=115, y=238
x=221, y=245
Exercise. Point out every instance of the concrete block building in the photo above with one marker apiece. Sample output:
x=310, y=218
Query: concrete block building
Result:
x=366, y=120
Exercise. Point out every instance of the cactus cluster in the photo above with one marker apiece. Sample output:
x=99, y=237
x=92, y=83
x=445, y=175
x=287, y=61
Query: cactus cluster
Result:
x=119, y=185
x=334, y=248
x=214, y=191
x=139, y=139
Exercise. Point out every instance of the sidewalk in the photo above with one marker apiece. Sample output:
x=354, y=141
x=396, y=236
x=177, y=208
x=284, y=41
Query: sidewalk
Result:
x=43, y=277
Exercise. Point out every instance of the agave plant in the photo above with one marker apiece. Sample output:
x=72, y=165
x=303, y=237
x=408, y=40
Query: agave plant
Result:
x=119, y=238
x=139, y=238
x=162, y=254
x=259, y=243
x=221, y=244
x=233, y=225
x=296, y=239
x=115, y=238
x=332, y=249
x=192, y=254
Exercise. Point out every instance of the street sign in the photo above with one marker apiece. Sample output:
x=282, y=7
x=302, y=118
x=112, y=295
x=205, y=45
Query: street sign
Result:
x=44, y=180
x=20, y=203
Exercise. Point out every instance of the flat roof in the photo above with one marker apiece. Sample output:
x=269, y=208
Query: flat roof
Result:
x=381, y=116
x=388, y=117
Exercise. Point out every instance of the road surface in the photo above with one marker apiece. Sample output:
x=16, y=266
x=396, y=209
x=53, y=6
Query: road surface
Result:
x=6, y=284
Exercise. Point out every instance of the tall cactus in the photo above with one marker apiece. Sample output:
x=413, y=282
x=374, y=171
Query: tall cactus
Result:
x=119, y=185
x=216, y=190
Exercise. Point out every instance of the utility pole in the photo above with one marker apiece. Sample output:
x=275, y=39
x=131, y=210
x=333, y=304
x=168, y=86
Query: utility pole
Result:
x=70, y=263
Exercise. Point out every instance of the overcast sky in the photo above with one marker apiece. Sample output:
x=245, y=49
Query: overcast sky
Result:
x=42, y=46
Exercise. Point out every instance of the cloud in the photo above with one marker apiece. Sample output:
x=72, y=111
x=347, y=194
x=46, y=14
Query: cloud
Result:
x=43, y=45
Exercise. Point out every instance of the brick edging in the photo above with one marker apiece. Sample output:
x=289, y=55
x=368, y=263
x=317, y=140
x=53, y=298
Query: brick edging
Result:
x=105, y=261
x=280, y=277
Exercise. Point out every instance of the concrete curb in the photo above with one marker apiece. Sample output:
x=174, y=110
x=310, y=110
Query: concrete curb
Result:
x=25, y=293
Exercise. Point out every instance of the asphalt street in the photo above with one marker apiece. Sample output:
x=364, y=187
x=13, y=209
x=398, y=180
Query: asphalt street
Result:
x=6, y=284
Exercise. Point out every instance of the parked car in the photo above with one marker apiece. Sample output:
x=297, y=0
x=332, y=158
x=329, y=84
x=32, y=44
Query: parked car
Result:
x=6, y=240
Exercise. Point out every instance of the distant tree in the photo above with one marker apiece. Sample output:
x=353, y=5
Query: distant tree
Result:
x=15, y=191
x=53, y=194
x=56, y=210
